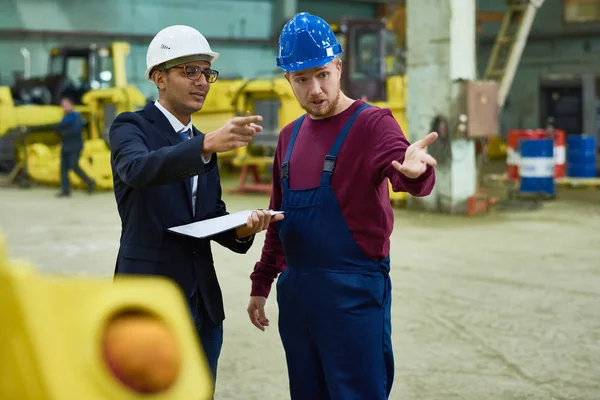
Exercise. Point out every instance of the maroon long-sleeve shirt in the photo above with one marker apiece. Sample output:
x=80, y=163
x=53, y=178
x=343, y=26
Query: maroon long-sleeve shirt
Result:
x=360, y=181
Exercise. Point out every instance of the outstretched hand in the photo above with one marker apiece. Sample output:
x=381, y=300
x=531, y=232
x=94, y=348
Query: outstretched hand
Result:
x=416, y=158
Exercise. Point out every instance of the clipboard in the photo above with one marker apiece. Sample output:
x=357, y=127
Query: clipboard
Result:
x=214, y=226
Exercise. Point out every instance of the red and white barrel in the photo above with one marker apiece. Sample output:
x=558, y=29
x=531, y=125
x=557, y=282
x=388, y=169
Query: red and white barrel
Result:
x=560, y=153
x=513, y=156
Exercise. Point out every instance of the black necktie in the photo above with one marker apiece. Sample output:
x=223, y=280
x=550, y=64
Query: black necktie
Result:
x=185, y=135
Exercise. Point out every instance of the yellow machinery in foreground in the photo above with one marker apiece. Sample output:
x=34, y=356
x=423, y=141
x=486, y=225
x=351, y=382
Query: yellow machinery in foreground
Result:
x=54, y=338
x=371, y=71
x=29, y=112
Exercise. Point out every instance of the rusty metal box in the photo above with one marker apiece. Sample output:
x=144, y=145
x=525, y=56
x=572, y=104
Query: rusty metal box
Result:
x=478, y=101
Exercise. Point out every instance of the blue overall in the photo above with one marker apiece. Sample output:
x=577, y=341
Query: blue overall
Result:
x=334, y=301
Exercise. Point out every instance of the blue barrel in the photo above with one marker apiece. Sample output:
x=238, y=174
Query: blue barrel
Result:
x=537, y=166
x=581, y=156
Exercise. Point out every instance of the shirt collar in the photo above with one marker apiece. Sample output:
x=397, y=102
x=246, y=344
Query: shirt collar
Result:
x=175, y=123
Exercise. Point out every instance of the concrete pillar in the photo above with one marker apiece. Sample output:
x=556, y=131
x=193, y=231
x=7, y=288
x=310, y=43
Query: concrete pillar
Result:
x=441, y=49
x=588, y=85
x=282, y=11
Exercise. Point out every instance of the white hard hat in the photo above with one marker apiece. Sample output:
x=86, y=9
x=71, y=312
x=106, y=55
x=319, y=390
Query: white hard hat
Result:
x=179, y=43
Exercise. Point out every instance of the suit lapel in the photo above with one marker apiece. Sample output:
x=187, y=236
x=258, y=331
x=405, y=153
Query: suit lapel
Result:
x=161, y=123
x=165, y=129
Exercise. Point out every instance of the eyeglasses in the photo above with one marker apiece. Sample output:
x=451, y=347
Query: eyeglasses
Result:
x=193, y=73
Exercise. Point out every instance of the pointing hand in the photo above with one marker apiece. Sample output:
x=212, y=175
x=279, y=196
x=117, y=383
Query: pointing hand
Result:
x=237, y=132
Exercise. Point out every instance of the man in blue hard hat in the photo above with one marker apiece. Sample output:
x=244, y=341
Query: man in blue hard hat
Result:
x=331, y=252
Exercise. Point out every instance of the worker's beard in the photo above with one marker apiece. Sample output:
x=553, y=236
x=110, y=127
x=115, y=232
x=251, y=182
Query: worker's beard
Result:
x=325, y=110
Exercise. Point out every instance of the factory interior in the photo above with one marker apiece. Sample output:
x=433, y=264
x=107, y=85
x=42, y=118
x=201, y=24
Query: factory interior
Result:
x=495, y=274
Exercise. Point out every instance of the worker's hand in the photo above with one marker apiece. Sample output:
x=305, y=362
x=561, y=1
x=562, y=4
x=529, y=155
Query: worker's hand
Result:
x=416, y=158
x=256, y=312
x=237, y=132
x=258, y=221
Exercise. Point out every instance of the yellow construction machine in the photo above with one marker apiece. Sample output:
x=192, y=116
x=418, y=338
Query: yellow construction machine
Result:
x=373, y=70
x=95, y=77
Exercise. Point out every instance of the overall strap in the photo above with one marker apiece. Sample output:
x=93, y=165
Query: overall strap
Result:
x=331, y=156
x=285, y=168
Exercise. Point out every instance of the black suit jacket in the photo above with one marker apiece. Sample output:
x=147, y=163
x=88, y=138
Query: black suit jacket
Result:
x=151, y=170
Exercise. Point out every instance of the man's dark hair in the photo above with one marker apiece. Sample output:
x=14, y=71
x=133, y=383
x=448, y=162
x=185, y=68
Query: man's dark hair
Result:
x=66, y=96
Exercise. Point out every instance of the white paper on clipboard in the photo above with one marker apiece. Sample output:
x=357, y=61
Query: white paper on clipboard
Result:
x=213, y=226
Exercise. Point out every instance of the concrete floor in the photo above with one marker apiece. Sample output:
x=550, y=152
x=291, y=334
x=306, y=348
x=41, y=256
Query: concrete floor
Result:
x=505, y=306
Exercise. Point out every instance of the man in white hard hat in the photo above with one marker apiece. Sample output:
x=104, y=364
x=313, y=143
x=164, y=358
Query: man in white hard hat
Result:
x=165, y=174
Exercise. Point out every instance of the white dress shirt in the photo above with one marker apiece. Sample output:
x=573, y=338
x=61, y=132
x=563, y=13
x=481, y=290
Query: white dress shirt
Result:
x=178, y=127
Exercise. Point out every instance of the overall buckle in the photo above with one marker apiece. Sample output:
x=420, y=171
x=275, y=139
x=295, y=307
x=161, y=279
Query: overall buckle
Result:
x=329, y=164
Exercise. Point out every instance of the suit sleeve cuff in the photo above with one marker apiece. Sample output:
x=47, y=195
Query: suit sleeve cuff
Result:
x=245, y=240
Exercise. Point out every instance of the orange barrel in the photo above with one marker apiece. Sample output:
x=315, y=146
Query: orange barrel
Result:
x=513, y=158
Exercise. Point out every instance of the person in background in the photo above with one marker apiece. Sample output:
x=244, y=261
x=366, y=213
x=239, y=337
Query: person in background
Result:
x=331, y=253
x=165, y=174
x=70, y=130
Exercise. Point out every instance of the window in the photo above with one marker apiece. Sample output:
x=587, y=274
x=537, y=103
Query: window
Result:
x=77, y=70
x=367, y=60
x=581, y=11
x=395, y=55
x=105, y=69
x=367, y=44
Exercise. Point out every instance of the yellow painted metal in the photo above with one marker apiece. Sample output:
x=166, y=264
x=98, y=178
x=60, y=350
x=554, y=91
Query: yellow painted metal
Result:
x=120, y=51
x=397, y=95
x=43, y=148
x=496, y=148
x=43, y=144
x=12, y=116
x=51, y=335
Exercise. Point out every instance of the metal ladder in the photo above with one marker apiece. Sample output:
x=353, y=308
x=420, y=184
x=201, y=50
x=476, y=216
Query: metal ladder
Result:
x=510, y=43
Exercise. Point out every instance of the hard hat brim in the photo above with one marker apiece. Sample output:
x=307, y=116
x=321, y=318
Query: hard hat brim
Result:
x=213, y=56
x=308, y=64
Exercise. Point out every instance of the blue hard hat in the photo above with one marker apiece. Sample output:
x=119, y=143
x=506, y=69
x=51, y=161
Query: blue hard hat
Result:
x=306, y=41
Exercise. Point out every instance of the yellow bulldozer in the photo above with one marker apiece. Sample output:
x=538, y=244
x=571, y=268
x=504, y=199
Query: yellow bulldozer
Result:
x=95, y=77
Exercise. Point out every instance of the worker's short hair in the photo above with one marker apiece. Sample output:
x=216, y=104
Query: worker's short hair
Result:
x=66, y=96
